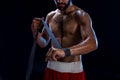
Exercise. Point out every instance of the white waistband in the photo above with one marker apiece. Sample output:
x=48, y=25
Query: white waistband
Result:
x=72, y=67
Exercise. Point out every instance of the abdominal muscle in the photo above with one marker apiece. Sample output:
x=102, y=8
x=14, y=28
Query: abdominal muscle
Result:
x=65, y=44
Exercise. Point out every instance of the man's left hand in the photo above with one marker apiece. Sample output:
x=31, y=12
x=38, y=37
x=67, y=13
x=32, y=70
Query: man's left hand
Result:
x=54, y=54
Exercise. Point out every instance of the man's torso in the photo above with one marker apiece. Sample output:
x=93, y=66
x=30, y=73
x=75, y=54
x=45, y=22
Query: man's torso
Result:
x=67, y=31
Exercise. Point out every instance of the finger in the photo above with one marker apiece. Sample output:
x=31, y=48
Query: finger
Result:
x=54, y=56
x=35, y=25
x=37, y=19
x=34, y=31
x=42, y=17
x=48, y=58
x=48, y=55
x=49, y=51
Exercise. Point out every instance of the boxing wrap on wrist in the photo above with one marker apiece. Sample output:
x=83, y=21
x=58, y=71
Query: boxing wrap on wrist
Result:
x=67, y=52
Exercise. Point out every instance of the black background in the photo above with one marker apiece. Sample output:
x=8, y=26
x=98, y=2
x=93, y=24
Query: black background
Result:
x=16, y=39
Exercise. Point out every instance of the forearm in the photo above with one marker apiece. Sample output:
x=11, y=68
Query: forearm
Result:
x=41, y=41
x=84, y=47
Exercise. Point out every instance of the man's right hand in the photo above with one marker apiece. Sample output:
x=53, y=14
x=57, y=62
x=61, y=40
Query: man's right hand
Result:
x=36, y=25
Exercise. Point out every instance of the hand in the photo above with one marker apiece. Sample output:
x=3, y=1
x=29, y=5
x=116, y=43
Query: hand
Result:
x=36, y=25
x=54, y=54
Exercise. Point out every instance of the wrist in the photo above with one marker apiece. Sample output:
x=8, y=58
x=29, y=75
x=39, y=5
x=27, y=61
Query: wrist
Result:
x=67, y=52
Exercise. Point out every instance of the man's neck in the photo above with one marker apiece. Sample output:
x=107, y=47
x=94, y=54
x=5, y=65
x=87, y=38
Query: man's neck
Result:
x=68, y=9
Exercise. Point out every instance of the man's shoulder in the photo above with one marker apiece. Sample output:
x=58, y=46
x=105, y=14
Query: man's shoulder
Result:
x=52, y=13
x=80, y=12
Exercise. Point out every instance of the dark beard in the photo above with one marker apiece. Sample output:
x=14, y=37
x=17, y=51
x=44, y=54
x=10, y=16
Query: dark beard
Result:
x=64, y=8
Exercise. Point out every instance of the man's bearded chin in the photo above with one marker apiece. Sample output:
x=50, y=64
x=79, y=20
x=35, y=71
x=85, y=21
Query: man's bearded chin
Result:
x=63, y=8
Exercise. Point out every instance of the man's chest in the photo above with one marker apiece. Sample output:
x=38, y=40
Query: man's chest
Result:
x=63, y=25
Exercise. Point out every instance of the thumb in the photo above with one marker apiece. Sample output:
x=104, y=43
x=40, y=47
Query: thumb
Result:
x=42, y=18
x=54, y=57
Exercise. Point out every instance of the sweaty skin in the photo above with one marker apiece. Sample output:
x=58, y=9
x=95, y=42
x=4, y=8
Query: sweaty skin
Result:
x=73, y=29
x=66, y=29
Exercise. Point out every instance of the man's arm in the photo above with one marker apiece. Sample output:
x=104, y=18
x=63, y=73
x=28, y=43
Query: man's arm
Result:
x=89, y=40
x=42, y=38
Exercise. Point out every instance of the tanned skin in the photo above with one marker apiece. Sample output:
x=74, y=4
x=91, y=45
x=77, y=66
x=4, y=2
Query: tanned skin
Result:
x=72, y=27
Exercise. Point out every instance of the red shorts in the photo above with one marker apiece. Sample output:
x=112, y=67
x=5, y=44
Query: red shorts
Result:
x=55, y=75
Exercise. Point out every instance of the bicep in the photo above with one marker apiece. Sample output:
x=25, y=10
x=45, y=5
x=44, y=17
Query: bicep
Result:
x=87, y=30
